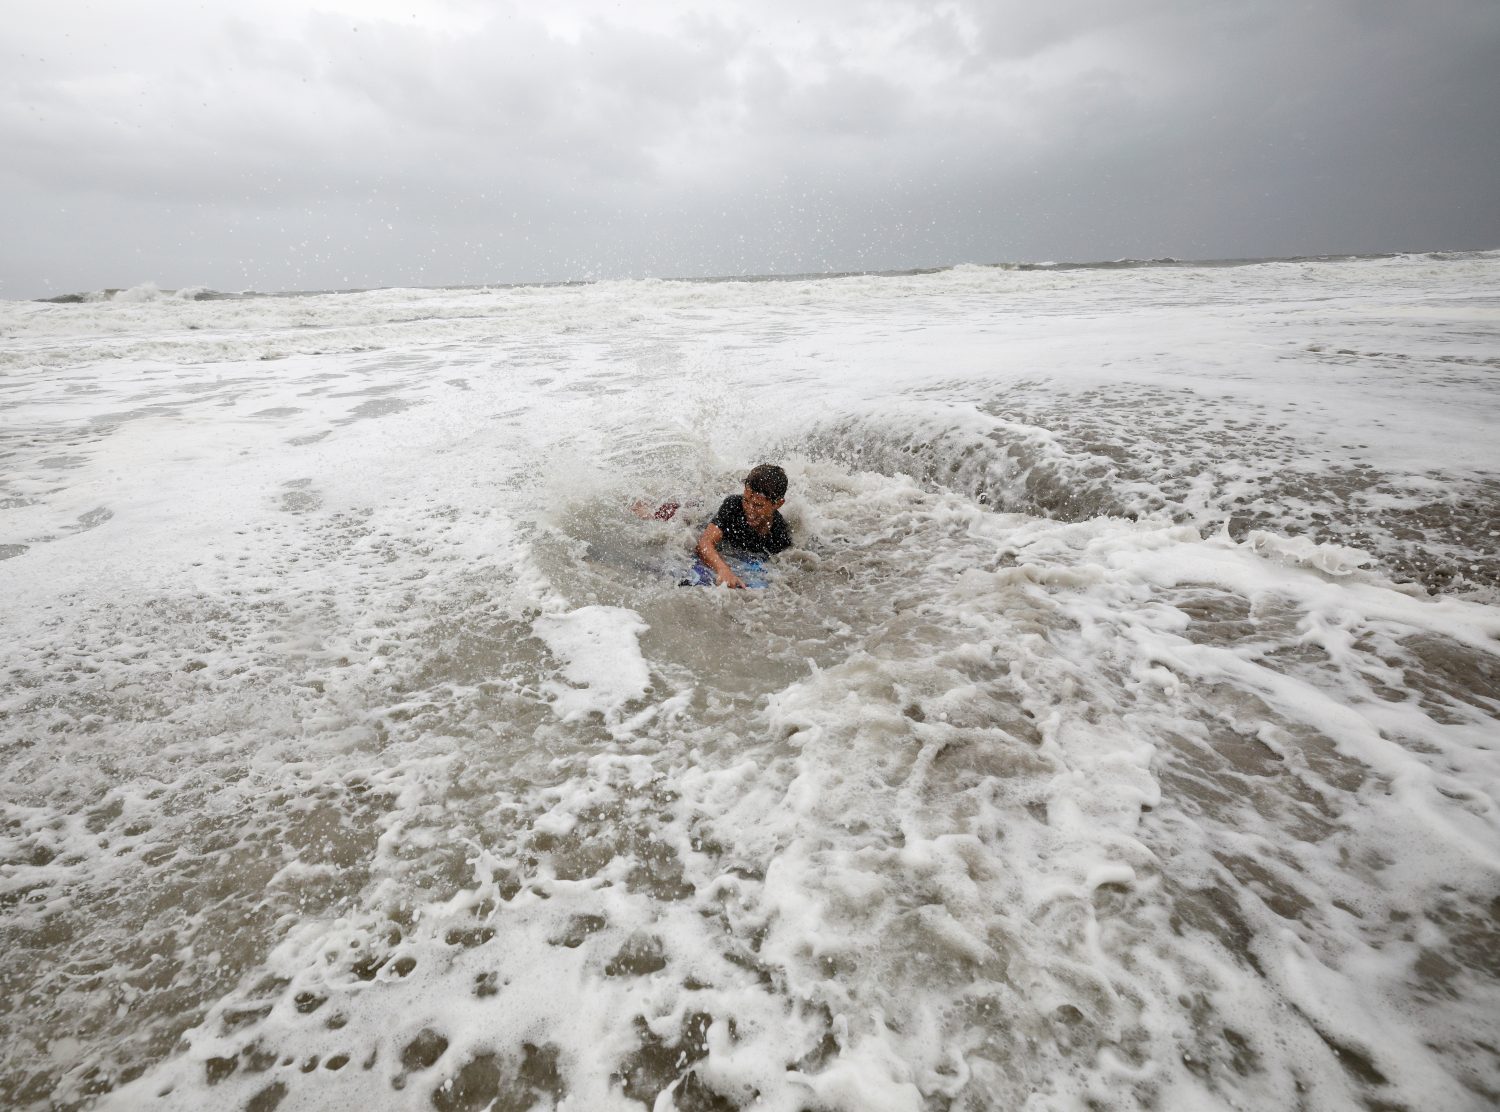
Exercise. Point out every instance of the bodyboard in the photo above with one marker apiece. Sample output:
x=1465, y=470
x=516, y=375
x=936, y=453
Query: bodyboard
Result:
x=753, y=572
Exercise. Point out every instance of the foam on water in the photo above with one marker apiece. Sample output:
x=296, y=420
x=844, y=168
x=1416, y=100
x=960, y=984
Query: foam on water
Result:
x=1121, y=734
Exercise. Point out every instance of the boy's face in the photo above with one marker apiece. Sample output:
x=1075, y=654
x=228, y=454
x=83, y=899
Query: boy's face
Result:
x=759, y=508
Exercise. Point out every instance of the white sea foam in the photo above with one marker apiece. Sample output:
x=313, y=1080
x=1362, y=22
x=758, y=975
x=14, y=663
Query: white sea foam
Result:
x=601, y=659
x=1121, y=734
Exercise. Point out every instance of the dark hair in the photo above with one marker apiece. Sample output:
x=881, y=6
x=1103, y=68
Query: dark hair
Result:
x=767, y=479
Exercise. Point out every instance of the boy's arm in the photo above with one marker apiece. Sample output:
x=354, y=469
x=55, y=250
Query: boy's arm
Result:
x=708, y=552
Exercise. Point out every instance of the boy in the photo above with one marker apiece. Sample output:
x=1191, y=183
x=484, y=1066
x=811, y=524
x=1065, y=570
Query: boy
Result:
x=749, y=522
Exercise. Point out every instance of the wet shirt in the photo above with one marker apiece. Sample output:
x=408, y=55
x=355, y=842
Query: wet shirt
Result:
x=737, y=532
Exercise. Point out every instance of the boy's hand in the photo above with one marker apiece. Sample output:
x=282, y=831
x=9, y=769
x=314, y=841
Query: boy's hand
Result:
x=708, y=552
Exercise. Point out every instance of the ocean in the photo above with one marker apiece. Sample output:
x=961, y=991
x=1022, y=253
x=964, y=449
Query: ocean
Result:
x=1123, y=731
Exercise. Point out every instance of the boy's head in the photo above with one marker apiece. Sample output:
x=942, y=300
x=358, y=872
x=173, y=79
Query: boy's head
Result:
x=765, y=491
x=769, y=480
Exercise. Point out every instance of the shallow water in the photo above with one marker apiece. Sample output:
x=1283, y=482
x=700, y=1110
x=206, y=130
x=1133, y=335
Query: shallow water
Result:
x=1121, y=734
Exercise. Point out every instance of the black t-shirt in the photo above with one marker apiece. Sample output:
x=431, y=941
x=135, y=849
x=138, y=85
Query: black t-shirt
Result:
x=737, y=532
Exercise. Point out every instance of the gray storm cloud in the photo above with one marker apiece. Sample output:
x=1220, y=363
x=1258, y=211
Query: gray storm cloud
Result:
x=359, y=145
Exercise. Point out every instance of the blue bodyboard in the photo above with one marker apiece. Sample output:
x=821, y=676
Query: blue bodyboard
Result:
x=753, y=572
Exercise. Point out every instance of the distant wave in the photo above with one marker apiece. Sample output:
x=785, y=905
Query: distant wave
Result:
x=1167, y=261
x=146, y=291
x=149, y=291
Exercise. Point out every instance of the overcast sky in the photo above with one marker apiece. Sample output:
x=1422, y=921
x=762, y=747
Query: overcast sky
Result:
x=335, y=143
